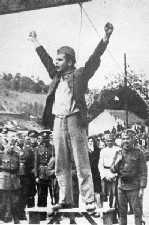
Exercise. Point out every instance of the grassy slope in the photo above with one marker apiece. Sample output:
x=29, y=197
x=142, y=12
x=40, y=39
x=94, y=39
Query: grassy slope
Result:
x=14, y=101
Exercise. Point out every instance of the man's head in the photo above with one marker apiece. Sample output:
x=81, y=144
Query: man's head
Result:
x=109, y=140
x=91, y=144
x=65, y=59
x=33, y=134
x=128, y=139
x=4, y=130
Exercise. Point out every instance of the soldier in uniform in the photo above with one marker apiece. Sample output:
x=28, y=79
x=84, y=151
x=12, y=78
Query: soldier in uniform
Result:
x=9, y=184
x=130, y=165
x=42, y=158
x=53, y=183
x=28, y=184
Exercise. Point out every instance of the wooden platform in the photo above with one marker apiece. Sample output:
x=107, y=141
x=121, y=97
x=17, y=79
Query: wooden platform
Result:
x=72, y=214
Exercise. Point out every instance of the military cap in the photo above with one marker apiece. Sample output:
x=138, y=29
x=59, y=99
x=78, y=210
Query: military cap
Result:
x=4, y=130
x=109, y=137
x=67, y=50
x=33, y=133
x=45, y=134
x=129, y=133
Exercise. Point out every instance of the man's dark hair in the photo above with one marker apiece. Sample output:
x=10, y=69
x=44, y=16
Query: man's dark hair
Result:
x=69, y=53
x=70, y=58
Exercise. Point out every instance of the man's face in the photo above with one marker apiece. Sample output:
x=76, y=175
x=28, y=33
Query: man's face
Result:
x=127, y=142
x=39, y=139
x=33, y=140
x=109, y=143
x=98, y=142
x=90, y=144
x=61, y=63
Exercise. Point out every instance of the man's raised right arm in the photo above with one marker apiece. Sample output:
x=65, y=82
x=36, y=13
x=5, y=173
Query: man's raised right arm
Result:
x=42, y=53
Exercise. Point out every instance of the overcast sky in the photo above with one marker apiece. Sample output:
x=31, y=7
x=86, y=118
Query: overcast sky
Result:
x=60, y=26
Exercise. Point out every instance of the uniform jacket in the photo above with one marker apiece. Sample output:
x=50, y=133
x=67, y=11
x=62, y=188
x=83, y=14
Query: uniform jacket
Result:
x=78, y=82
x=9, y=169
x=26, y=160
x=42, y=158
x=51, y=167
x=131, y=169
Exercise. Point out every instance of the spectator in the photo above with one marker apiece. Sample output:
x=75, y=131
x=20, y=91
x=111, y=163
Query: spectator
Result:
x=130, y=165
x=94, y=154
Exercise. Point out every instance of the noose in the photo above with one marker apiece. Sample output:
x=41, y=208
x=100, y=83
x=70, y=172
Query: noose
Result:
x=96, y=31
x=80, y=30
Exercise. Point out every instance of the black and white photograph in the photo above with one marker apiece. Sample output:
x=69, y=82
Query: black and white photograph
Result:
x=74, y=112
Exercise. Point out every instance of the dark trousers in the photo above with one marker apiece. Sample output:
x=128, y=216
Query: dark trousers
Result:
x=28, y=191
x=131, y=196
x=9, y=205
x=42, y=189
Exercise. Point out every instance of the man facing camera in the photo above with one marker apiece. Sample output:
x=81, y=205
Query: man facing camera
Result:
x=130, y=165
x=66, y=104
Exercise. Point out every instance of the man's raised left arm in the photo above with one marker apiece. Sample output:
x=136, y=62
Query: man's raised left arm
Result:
x=94, y=60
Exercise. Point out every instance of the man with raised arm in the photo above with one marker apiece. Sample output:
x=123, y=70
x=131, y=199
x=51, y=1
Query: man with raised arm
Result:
x=66, y=105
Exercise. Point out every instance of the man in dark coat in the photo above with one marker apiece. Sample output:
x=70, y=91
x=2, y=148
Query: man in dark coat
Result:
x=9, y=184
x=66, y=103
x=42, y=155
x=130, y=165
x=27, y=177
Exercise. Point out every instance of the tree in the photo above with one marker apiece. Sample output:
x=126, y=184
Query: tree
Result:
x=137, y=82
x=7, y=77
x=26, y=84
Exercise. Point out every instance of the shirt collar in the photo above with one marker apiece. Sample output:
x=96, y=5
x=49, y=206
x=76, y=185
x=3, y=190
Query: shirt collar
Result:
x=68, y=74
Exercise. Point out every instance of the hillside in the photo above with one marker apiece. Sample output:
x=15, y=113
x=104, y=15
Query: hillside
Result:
x=32, y=104
x=21, y=102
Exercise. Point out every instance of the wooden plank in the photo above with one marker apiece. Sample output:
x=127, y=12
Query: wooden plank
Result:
x=13, y=6
x=108, y=218
x=89, y=218
x=47, y=209
x=34, y=218
x=75, y=210
x=72, y=214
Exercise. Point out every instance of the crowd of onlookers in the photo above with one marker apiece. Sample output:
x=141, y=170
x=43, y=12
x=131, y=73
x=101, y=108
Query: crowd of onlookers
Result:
x=103, y=150
x=27, y=170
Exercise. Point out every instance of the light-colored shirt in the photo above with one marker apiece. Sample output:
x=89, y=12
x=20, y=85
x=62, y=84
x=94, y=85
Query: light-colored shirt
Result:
x=106, y=158
x=64, y=103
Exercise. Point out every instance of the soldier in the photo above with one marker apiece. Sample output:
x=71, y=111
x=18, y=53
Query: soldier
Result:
x=131, y=167
x=42, y=158
x=5, y=131
x=94, y=155
x=28, y=184
x=10, y=184
x=53, y=183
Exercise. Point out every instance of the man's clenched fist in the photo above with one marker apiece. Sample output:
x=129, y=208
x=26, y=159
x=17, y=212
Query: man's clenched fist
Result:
x=32, y=36
x=108, y=29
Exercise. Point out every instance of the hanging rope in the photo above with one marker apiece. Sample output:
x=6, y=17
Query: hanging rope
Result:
x=96, y=31
x=80, y=31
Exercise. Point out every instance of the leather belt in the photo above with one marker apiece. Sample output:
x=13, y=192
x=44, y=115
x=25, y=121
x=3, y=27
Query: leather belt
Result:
x=107, y=167
x=66, y=116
